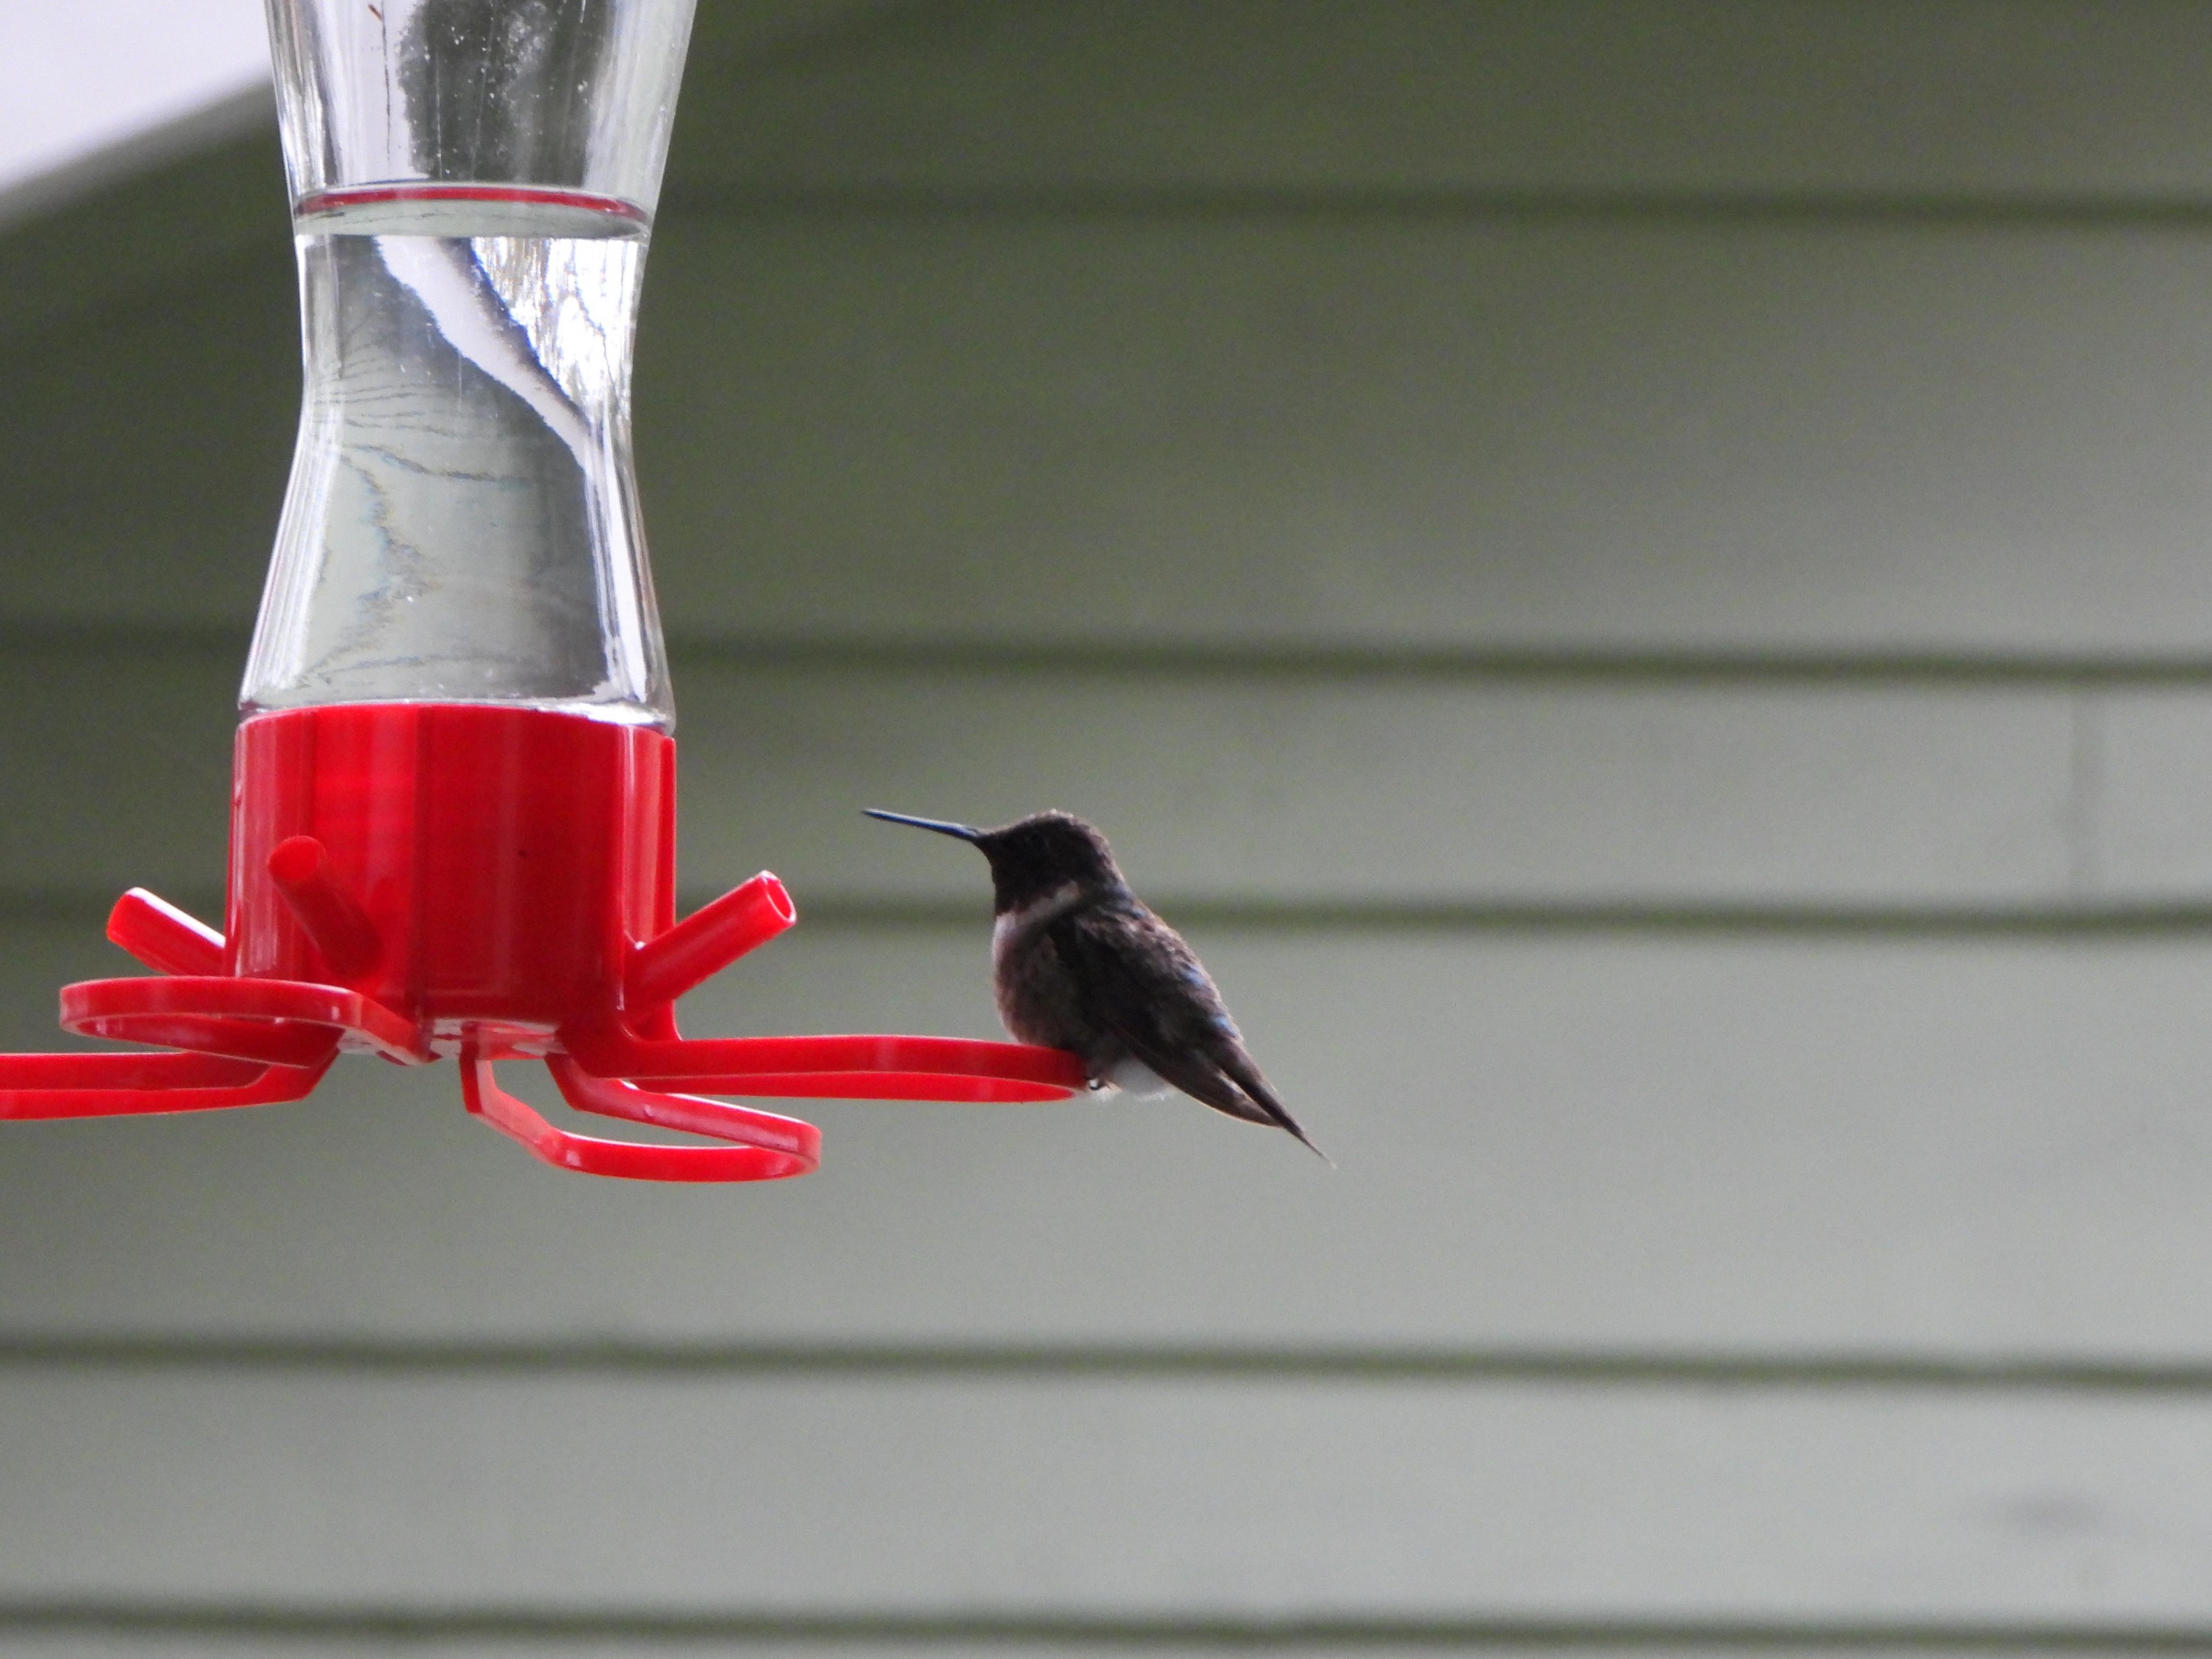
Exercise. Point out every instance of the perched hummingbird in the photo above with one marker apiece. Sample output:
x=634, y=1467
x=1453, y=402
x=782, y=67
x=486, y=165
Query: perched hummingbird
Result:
x=1079, y=962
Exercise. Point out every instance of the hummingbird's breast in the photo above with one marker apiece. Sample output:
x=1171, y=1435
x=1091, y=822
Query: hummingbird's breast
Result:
x=1037, y=994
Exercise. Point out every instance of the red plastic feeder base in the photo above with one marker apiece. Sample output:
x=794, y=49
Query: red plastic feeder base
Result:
x=428, y=880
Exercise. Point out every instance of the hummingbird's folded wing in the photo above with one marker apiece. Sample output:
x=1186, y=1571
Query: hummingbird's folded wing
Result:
x=1137, y=979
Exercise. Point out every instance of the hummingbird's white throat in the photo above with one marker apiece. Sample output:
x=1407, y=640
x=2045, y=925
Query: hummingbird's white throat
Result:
x=1020, y=924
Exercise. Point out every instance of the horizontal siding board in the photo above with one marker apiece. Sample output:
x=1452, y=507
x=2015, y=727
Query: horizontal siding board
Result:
x=1218, y=787
x=731, y=39
x=1592, y=1144
x=118, y=758
x=1422, y=331
x=1983, y=98
x=1229, y=786
x=148, y=436
x=1385, y=790
x=964, y=1499
x=2149, y=761
x=1640, y=436
x=1589, y=435
x=281, y=1635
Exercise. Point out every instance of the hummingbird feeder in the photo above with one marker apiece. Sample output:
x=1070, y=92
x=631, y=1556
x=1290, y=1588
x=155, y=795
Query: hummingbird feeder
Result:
x=453, y=808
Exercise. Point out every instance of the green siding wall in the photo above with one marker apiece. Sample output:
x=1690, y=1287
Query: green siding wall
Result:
x=1635, y=572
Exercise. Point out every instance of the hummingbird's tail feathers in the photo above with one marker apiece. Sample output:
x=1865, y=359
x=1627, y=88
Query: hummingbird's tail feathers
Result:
x=1231, y=1084
x=1240, y=1070
x=1131, y=976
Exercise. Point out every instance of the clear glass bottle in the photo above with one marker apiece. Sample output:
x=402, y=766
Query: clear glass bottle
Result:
x=472, y=186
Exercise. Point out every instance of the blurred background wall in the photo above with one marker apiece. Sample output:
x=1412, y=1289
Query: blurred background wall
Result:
x=1633, y=573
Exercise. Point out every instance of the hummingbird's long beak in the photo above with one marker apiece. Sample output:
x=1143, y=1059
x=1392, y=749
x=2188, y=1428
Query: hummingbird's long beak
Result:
x=959, y=830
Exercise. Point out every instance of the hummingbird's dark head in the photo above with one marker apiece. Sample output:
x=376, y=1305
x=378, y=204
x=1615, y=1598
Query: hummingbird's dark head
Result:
x=1033, y=856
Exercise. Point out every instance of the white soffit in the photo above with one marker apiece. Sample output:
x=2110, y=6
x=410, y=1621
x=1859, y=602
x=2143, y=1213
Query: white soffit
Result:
x=90, y=89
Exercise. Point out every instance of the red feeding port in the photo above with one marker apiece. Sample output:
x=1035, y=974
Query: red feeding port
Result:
x=423, y=881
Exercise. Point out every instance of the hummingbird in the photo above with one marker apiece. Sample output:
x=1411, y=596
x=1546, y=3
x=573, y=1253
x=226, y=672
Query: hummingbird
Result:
x=1079, y=962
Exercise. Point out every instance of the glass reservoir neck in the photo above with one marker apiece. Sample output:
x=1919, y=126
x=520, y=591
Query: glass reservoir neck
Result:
x=462, y=522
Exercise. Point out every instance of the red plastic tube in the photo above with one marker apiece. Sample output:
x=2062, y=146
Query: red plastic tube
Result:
x=705, y=942
x=163, y=936
x=333, y=917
